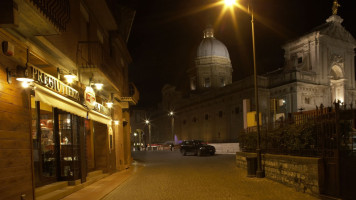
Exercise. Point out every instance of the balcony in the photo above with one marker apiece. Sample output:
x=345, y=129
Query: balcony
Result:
x=36, y=17
x=95, y=64
x=133, y=95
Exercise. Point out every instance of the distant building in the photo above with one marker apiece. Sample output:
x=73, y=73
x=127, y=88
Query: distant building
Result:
x=319, y=69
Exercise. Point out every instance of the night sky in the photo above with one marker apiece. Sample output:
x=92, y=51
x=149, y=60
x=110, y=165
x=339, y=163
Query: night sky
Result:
x=166, y=33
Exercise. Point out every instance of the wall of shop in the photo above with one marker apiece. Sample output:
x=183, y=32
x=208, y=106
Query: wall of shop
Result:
x=118, y=138
x=100, y=146
x=127, y=139
x=15, y=143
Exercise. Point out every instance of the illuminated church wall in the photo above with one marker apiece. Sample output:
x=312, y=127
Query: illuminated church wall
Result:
x=319, y=69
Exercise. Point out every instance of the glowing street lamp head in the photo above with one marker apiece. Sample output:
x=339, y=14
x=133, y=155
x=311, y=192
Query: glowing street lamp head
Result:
x=147, y=121
x=229, y=3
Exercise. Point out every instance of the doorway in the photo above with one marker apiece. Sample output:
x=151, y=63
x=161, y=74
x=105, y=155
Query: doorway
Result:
x=56, y=144
x=337, y=84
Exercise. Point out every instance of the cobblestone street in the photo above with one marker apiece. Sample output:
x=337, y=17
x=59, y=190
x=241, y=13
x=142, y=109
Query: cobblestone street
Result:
x=169, y=175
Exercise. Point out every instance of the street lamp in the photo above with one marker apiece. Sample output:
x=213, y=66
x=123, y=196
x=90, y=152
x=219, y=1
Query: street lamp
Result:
x=135, y=143
x=171, y=114
x=259, y=172
x=149, y=131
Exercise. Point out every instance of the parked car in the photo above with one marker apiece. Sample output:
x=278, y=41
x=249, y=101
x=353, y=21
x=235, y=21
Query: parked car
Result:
x=196, y=147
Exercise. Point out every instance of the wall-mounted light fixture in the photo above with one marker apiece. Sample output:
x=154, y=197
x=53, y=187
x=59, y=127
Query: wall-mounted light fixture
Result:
x=22, y=75
x=110, y=103
x=98, y=86
x=70, y=77
x=116, y=122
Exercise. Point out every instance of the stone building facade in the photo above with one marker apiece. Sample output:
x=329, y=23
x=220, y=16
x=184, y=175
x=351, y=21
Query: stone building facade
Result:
x=56, y=123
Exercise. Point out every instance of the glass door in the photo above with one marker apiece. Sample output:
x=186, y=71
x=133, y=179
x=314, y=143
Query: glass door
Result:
x=69, y=146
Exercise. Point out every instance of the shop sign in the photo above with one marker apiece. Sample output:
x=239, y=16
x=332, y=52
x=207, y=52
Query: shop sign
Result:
x=101, y=109
x=53, y=84
x=89, y=97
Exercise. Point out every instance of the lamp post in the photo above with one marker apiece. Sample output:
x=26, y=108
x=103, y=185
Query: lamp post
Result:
x=171, y=114
x=149, y=132
x=259, y=172
x=135, y=143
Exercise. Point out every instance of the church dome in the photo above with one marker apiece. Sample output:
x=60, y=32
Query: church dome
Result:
x=210, y=46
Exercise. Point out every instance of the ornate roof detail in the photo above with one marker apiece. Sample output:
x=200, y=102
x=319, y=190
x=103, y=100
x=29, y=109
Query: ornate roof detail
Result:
x=334, y=29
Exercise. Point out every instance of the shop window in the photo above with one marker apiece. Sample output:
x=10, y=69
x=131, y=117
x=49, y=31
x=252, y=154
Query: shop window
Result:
x=47, y=141
x=44, y=148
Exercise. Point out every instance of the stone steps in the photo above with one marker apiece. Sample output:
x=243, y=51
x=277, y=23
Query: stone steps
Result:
x=60, y=190
x=50, y=188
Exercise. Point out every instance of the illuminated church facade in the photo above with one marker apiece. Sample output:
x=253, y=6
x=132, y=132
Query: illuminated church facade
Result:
x=319, y=69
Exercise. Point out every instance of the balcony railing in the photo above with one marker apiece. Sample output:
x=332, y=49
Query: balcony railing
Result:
x=91, y=57
x=133, y=95
x=56, y=11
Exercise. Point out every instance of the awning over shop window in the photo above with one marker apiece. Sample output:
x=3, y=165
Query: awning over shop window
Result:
x=51, y=98
x=93, y=115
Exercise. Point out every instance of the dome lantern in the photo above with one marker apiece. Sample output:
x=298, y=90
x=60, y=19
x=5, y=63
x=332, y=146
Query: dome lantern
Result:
x=209, y=32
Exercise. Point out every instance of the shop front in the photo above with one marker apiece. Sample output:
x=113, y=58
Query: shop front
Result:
x=66, y=135
x=56, y=143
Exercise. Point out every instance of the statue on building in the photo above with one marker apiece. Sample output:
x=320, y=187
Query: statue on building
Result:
x=336, y=5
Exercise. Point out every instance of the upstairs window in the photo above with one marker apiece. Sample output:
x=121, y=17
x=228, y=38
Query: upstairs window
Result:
x=222, y=82
x=193, y=83
x=307, y=100
x=207, y=82
x=300, y=60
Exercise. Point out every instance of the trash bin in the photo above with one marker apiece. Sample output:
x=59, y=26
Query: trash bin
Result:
x=251, y=166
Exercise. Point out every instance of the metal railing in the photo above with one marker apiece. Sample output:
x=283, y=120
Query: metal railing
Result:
x=325, y=132
x=56, y=11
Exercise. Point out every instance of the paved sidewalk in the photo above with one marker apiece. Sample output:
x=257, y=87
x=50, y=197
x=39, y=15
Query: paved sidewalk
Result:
x=231, y=184
x=101, y=188
x=171, y=176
